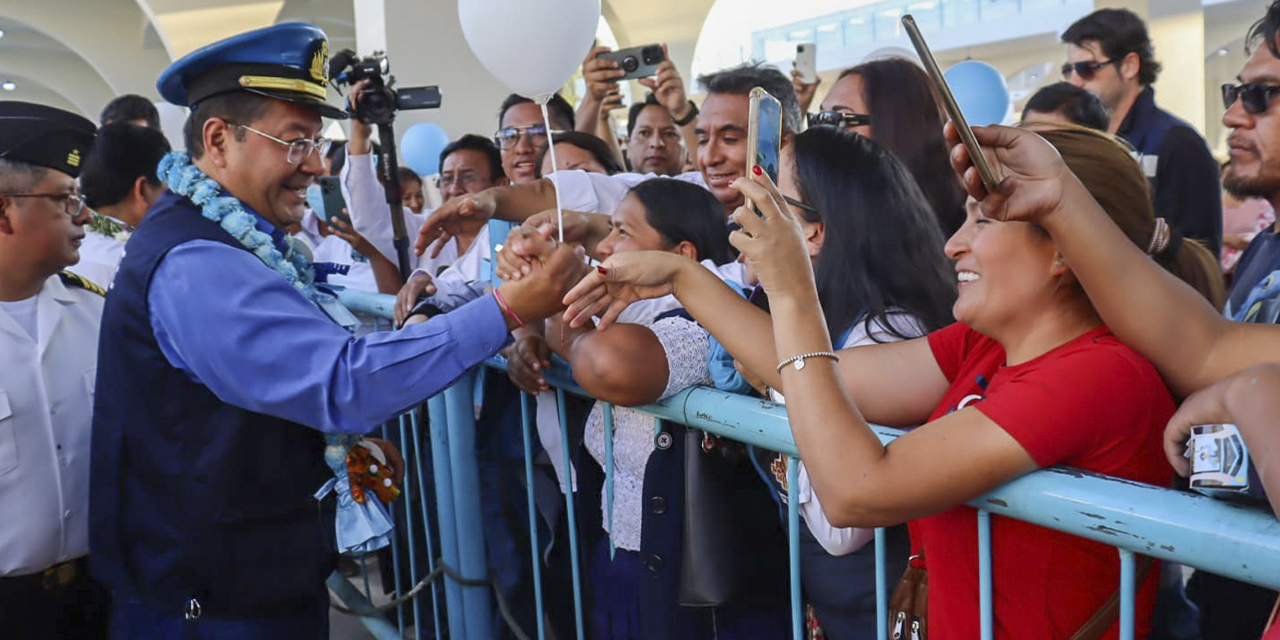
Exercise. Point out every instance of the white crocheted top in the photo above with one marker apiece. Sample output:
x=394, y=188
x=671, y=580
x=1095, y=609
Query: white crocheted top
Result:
x=687, y=349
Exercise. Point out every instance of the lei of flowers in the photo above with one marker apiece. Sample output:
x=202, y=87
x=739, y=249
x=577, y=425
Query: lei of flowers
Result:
x=108, y=227
x=185, y=179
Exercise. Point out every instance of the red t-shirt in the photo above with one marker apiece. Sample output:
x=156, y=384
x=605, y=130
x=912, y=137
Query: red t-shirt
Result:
x=1092, y=404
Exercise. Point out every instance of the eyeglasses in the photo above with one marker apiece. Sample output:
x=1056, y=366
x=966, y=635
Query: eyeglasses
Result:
x=463, y=181
x=1255, y=97
x=843, y=119
x=510, y=136
x=800, y=205
x=72, y=203
x=1086, y=69
x=300, y=149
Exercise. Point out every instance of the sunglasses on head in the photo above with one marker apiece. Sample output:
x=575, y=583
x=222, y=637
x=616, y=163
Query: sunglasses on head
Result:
x=841, y=119
x=1255, y=97
x=1085, y=69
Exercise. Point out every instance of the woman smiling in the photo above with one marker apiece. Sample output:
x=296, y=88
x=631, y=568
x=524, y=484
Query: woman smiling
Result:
x=1028, y=378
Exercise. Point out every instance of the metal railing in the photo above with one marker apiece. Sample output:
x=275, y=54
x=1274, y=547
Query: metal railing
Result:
x=1234, y=541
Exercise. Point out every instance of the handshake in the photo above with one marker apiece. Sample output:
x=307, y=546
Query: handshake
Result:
x=548, y=270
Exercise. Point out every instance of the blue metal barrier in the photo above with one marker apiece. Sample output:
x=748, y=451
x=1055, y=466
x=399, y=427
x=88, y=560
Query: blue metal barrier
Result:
x=1223, y=538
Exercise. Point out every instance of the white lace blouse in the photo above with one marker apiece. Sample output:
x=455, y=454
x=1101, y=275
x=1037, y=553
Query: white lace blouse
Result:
x=687, y=348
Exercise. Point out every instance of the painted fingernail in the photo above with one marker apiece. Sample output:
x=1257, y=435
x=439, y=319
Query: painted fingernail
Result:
x=603, y=271
x=756, y=170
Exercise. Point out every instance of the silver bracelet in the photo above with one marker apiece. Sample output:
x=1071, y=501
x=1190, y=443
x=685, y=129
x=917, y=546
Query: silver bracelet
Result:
x=799, y=360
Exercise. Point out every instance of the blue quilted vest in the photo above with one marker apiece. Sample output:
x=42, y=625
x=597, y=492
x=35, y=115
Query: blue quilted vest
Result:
x=190, y=497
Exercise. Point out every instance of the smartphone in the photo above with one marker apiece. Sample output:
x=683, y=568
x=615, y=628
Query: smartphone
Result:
x=764, y=133
x=637, y=62
x=949, y=102
x=807, y=62
x=331, y=202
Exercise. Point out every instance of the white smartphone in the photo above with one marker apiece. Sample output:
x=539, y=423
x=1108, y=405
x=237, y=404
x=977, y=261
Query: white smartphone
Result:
x=807, y=62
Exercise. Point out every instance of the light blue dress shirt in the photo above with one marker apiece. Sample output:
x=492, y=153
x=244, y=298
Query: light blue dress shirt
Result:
x=233, y=324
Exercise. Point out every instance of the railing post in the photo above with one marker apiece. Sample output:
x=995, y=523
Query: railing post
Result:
x=526, y=423
x=409, y=446
x=882, y=588
x=572, y=513
x=1127, y=580
x=984, y=574
x=459, y=402
x=418, y=463
x=445, y=512
x=793, y=545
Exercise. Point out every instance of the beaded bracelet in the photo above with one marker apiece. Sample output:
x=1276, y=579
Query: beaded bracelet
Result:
x=799, y=360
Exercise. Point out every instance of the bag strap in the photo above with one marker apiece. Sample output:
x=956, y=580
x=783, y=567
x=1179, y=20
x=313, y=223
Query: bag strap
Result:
x=1106, y=615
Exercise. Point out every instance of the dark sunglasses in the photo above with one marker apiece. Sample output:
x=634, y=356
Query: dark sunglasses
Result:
x=1255, y=97
x=838, y=119
x=1086, y=69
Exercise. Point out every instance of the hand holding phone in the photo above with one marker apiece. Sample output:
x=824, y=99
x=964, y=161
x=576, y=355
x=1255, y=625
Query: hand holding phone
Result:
x=949, y=102
x=637, y=62
x=764, y=133
x=332, y=204
x=807, y=62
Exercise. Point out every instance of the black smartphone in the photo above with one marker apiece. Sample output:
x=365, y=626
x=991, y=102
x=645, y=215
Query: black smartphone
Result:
x=949, y=102
x=637, y=62
x=332, y=205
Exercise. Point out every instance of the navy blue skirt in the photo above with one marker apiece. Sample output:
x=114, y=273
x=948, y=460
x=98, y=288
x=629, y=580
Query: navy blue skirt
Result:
x=617, y=613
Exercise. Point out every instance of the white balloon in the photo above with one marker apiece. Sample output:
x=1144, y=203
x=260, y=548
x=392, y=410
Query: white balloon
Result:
x=531, y=46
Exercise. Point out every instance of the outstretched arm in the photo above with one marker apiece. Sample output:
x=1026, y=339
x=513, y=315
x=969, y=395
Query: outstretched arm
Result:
x=1251, y=401
x=1148, y=308
x=624, y=364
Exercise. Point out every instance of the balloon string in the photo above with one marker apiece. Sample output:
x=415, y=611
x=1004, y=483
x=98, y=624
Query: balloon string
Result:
x=551, y=149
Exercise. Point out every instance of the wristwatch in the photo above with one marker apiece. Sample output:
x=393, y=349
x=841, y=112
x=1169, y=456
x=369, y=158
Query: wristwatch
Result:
x=688, y=117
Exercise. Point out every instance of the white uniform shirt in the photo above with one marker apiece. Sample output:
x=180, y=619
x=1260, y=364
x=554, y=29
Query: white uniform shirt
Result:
x=367, y=206
x=46, y=407
x=600, y=193
x=99, y=257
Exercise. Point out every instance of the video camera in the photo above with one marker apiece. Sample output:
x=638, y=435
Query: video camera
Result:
x=379, y=102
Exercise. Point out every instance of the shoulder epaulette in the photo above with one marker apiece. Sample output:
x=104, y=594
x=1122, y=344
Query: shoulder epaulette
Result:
x=76, y=280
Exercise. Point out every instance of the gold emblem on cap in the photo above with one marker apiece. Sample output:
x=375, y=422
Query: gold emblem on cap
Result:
x=320, y=63
x=73, y=158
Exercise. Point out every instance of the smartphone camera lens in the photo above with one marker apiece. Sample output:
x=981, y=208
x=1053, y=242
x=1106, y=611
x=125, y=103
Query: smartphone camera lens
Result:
x=652, y=55
x=630, y=64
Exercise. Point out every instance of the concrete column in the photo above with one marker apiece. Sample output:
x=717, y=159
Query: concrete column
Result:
x=1177, y=30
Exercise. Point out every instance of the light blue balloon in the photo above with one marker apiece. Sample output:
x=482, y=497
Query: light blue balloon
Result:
x=980, y=91
x=420, y=148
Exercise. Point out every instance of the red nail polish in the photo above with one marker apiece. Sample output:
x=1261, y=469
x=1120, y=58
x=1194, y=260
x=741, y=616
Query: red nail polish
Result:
x=603, y=271
x=756, y=170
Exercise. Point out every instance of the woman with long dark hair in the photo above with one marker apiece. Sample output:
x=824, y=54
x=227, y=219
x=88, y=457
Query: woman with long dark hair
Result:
x=879, y=255
x=881, y=277
x=898, y=109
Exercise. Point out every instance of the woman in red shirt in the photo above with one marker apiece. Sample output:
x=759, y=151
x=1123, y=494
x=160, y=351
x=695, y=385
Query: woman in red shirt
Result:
x=1029, y=377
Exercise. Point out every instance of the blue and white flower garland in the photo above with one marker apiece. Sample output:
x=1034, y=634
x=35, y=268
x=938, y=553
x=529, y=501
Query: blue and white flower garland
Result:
x=186, y=179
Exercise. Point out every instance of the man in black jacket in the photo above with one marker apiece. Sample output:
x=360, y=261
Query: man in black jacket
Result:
x=1109, y=53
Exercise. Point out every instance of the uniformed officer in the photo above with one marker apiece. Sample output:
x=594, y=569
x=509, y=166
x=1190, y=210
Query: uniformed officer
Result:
x=219, y=363
x=49, y=346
